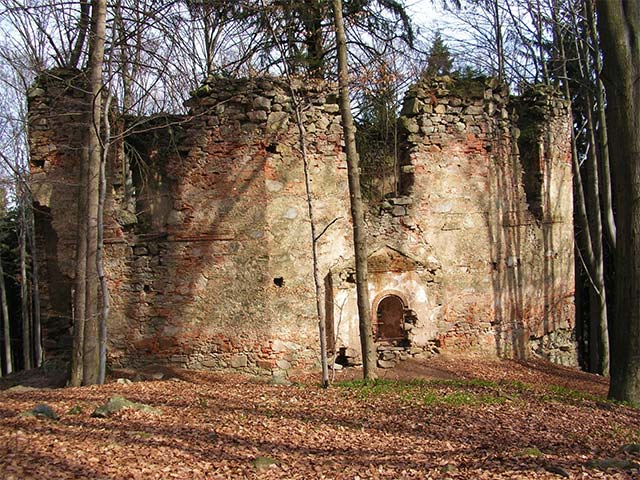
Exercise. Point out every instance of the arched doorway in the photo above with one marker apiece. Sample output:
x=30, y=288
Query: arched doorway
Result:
x=389, y=319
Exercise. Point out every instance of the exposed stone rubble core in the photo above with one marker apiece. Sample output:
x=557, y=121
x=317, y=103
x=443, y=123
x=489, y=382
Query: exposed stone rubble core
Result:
x=208, y=252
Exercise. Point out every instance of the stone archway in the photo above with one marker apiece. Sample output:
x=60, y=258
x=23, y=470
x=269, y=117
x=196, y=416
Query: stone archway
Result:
x=388, y=318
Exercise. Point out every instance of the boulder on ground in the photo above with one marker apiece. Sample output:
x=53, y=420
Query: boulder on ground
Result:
x=119, y=403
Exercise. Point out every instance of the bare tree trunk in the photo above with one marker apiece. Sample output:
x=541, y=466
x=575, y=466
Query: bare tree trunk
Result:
x=597, y=295
x=541, y=45
x=598, y=299
x=582, y=232
x=83, y=26
x=619, y=28
x=588, y=221
x=80, y=281
x=24, y=286
x=6, y=330
x=35, y=290
x=104, y=288
x=497, y=25
x=317, y=280
x=91, y=353
x=606, y=196
x=357, y=209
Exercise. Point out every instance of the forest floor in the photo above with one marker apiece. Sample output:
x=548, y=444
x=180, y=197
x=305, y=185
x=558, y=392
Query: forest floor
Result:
x=443, y=417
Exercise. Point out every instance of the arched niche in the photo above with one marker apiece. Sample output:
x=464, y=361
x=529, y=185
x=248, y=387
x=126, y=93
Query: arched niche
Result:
x=388, y=316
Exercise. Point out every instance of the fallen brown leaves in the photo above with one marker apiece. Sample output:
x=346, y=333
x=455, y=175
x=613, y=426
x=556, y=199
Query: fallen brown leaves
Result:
x=464, y=419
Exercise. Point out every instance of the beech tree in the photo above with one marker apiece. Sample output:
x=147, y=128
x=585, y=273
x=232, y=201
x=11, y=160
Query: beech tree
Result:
x=357, y=205
x=6, y=325
x=619, y=27
x=86, y=353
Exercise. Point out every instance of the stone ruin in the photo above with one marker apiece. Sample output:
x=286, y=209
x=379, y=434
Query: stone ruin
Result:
x=207, y=235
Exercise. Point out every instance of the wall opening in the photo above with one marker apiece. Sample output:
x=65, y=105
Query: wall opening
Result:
x=389, y=320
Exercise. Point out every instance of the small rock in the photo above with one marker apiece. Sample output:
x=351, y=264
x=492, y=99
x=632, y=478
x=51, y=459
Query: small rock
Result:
x=262, y=103
x=557, y=470
x=35, y=92
x=412, y=106
x=124, y=381
x=386, y=363
x=75, y=410
x=263, y=463
x=398, y=211
x=20, y=389
x=42, y=410
x=257, y=116
x=279, y=379
x=157, y=375
x=291, y=213
x=388, y=355
x=606, y=463
x=238, y=361
x=277, y=121
x=337, y=366
x=283, y=364
x=119, y=403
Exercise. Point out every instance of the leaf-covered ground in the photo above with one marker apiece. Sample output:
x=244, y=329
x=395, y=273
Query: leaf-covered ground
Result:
x=457, y=418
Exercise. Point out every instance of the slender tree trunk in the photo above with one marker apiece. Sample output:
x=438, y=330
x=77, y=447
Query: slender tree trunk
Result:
x=24, y=286
x=104, y=288
x=6, y=330
x=317, y=280
x=584, y=244
x=83, y=26
x=541, y=43
x=497, y=26
x=606, y=196
x=357, y=208
x=127, y=81
x=619, y=27
x=91, y=354
x=35, y=292
x=312, y=18
x=598, y=298
x=80, y=281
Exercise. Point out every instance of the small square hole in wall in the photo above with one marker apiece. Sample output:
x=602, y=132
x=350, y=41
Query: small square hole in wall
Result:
x=278, y=281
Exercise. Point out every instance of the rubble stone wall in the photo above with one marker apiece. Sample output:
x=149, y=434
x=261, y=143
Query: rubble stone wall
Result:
x=483, y=219
x=207, y=233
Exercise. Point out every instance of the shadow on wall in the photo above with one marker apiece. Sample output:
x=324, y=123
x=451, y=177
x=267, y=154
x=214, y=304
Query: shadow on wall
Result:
x=504, y=225
x=199, y=259
x=530, y=277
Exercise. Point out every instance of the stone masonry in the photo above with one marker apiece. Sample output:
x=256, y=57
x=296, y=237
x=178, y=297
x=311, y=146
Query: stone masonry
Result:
x=207, y=234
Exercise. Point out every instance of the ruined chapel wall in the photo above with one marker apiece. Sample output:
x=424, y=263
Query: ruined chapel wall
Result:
x=507, y=267
x=57, y=115
x=207, y=244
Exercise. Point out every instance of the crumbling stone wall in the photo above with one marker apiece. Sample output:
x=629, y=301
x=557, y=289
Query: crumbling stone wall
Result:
x=208, y=252
x=208, y=236
x=57, y=116
x=485, y=211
